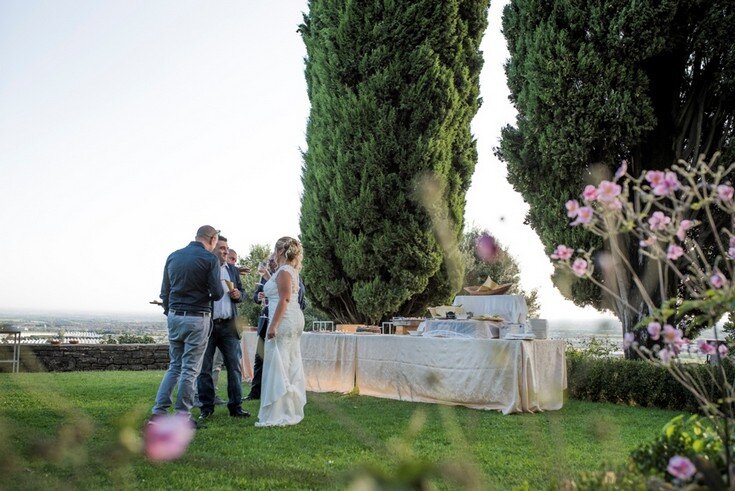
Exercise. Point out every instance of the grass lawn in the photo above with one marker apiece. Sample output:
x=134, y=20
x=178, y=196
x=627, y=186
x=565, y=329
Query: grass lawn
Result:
x=73, y=430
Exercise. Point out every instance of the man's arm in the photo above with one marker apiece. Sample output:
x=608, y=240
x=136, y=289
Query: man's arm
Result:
x=165, y=287
x=235, y=273
x=302, y=294
x=258, y=289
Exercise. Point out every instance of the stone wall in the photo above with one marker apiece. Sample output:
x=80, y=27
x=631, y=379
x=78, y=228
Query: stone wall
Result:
x=84, y=357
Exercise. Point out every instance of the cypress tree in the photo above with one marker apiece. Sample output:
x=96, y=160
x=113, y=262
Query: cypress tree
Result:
x=393, y=87
x=595, y=82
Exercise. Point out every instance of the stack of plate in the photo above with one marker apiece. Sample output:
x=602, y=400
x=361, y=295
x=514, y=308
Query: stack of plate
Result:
x=509, y=329
x=539, y=327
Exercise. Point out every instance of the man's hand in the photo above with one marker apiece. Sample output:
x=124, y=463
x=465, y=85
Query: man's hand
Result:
x=271, y=333
x=235, y=294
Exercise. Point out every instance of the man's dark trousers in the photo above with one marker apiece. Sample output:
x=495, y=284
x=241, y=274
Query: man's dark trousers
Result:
x=224, y=336
x=258, y=364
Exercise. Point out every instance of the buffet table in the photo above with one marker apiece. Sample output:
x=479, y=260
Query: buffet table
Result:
x=505, y=375
x=512, y=308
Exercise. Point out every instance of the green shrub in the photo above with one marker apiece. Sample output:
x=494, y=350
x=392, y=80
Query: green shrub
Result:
x=691, y=437
x=635, y=383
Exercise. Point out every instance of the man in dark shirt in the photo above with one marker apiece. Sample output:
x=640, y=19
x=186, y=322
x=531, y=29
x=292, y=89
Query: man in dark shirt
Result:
x=259, y=298
x=191, y=282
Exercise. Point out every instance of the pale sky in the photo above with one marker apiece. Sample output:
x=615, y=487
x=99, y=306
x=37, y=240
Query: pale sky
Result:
x=124, y=125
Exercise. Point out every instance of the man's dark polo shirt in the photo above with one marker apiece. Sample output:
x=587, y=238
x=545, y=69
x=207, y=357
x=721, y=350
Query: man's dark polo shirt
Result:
x=191, y=280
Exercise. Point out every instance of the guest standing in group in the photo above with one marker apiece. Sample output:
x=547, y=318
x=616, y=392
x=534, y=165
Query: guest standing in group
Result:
x=246, y=366
x=225, y=337
x=191, y=282
x=259, y=298
x=283, y=394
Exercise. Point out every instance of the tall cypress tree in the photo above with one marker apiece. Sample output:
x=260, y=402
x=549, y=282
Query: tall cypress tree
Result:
x=595, y=82
x=393, y=87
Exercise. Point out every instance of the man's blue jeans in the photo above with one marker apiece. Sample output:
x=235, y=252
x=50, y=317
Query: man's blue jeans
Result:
x=187, y=340
x=224, y=336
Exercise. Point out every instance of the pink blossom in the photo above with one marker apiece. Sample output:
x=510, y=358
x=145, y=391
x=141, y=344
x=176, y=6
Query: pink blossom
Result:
x=665, y=355
x=725, y=192
x=674, y=252
x=487, y=247
x=681, y=467
x=732, y=241
x=589, y=193
x=654, y=330
x=615, y=204
x=655, y=177
x=572, y=208
x=562, y=252
x=717, y=280
x=706, y=348
x=167, y=437
x=648, y=242
x=723, y=350
x=622, y=169
x=584, y=215
x=607, y=191
x=671, y=335
x=685, y=225
x=731, y=252
x=628, y=340
x=669, y=184
x=659, y=221
x=579, y=267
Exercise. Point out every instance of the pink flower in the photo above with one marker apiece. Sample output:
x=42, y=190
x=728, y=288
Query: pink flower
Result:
x=731, y=252
x=705, y=348
x=648, y=242
x=655, y=177
x=622, y=169
x=579, y=267
x=717, y=280
x=562, y=252
x=487, y=247
x=572, y=208
x=732, y=241
x=628, y=340
x=685, y=225
x=725, y=192
x=674, y=252
x=615, y=204
x=167, y=437
x=669, y=184
x=584, y=215
x=681, y=467
x=671, y=335
x=607, y=191
x=654, y=330
x=665, y=355
x=722, y=350
x=659, y=221
x=589, y=193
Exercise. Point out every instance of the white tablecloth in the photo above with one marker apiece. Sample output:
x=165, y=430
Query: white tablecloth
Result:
x=509, y=376
x=512, y=308
x=458, y=328
x=329, y=360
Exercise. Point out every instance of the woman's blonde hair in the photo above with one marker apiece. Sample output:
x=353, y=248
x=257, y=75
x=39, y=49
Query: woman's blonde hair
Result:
x=291, y=249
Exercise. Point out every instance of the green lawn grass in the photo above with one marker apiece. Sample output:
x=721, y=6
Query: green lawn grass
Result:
x=73, y=430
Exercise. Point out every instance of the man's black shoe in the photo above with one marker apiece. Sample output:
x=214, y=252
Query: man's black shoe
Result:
x=205, y=414
x=251, y=397
x=239, y=413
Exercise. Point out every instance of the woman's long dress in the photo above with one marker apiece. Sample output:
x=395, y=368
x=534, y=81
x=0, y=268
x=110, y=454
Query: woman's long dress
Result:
x=283, y=393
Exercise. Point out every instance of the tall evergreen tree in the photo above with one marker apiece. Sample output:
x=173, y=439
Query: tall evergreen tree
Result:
x=595, y=82
x=393, y=85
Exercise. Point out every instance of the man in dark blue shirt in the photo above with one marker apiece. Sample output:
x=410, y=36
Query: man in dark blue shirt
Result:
x=191, y=282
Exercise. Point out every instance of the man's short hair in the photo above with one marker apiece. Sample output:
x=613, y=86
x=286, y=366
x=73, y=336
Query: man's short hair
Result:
x=206, y=232
x=222, y=238
x=232, y=251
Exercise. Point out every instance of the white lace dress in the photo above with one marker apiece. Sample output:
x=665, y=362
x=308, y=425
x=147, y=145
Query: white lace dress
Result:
x=283, y=393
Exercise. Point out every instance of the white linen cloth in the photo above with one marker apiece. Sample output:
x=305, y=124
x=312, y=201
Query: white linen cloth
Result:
x=458, y=328
x=329, y=361
x=512, y=308
x=505, y=375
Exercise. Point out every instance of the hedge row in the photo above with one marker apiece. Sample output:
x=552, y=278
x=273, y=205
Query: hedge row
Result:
x=636, y=383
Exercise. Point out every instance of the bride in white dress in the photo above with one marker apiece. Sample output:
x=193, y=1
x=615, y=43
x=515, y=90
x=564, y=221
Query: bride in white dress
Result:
x=283, y=395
